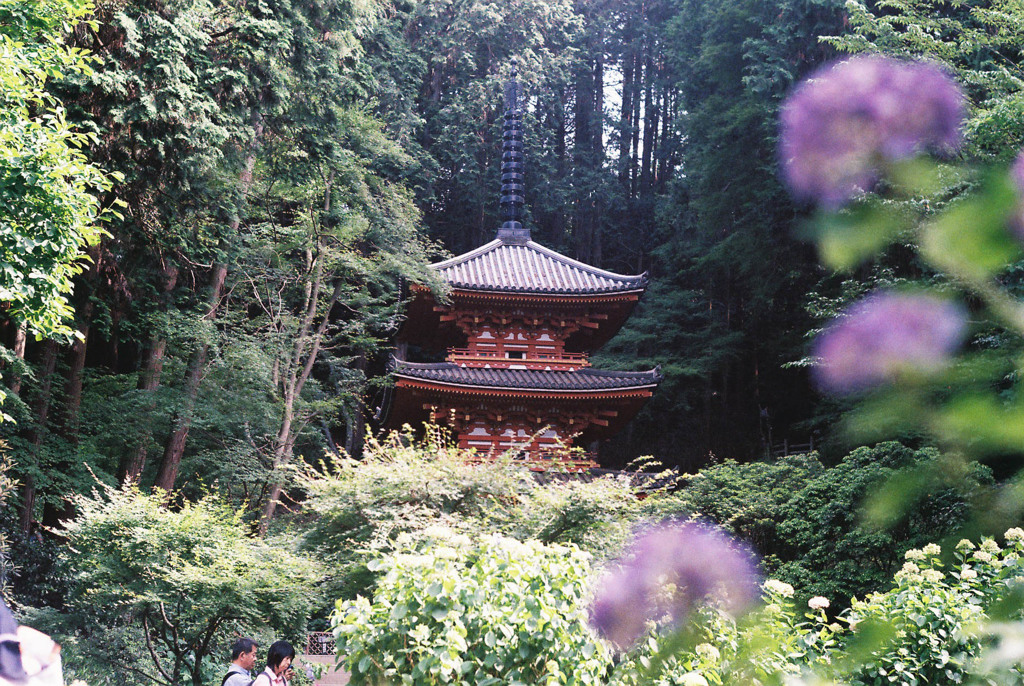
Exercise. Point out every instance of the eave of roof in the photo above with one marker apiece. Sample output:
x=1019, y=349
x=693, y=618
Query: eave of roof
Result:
x=580, y=380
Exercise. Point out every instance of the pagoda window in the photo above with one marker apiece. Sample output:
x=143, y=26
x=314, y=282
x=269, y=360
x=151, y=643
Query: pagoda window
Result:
x=515, y=354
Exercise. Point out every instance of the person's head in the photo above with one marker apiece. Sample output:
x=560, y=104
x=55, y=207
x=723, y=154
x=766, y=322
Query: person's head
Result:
x=280, y=656
x=243, y=653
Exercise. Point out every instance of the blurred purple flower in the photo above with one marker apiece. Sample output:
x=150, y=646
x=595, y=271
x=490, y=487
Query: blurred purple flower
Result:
x=885, y=334
x=1017, y=176
x=848, y=117
x=668, y=571
x=1017, y=171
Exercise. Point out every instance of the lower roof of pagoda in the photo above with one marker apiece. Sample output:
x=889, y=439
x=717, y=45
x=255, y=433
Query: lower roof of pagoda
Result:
x=579, y=380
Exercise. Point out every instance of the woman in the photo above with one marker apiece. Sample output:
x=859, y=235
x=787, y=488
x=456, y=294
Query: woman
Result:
x=279, y=661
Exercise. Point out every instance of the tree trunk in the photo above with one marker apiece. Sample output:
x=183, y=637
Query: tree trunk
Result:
x=626, y=117
x=42, y=411
x=650, y=122
x=73, y=385
x=355, y=425
x=20, y=339
x=582, y=152
x=597, y=150
x=304, y=354
x=134, y=462
x=182, y=421
x=634, y=157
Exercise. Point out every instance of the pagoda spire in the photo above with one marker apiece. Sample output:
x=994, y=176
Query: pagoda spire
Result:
x=512, y=231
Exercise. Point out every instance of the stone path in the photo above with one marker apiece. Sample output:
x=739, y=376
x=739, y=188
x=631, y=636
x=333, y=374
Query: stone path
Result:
x=330, y=676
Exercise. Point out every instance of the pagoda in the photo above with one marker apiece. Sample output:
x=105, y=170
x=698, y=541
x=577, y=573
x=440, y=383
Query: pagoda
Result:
x=519, y=323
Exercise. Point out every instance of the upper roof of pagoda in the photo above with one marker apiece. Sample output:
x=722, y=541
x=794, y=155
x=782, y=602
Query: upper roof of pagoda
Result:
x=514, y=265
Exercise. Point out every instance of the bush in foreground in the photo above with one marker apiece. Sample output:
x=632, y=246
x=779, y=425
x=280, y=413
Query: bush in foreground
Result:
x=156, y=592
x=487, y=611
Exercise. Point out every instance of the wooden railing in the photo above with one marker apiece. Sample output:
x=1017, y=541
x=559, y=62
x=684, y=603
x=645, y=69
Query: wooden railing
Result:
x=559, y=361
x=787, y=448
x=319, y=643
x=567, y=461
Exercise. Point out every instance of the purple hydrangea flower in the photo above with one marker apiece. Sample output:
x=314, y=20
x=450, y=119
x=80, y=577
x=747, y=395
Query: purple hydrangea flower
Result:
x=1017, y=171
x=885, y=334
x=1017, y=176
x=848, y=117
x=669, y=570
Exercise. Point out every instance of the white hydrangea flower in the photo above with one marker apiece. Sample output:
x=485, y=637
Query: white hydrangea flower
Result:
x=779, y=588
x=990, y=546
x=446, y=553
x=914, y=554
x=932, y=549
x=964, y=545
x=818, y=602
x=968, y=574
x=983, y=556
x=708, y=652
x=933, y=575
x=1014, y=534
x=910, y=570
x=693, y=679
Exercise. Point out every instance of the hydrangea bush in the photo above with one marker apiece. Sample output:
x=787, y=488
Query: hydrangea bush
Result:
x=935, y=626
x=487, y=611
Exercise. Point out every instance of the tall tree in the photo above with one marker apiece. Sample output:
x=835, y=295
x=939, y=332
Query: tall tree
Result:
x=729, y=276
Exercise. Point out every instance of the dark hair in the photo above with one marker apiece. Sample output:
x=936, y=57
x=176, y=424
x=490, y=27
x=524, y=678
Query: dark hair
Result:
x=242, y=645
x=279, y=650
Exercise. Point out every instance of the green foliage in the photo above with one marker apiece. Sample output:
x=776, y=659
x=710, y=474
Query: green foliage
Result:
x=722, y=312
x=598, y=516
x=981, y=42
x=48, y=187
x=767, y=646
x=7, y=486
x=490, y=610
x=924, y=625
x=169, y=587
x=806, y=520
x=942, y=623
x=360, y=507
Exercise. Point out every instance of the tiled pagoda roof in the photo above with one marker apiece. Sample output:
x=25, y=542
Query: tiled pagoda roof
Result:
x=526, y=267
x=586, y=379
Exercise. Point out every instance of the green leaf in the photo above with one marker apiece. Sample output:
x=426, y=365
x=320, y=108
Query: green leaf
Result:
x=847, y=238
x=972, y=238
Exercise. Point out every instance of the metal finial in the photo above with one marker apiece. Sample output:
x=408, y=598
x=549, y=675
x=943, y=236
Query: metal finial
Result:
x=512, y=199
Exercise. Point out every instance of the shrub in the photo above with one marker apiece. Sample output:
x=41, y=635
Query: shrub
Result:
x=490, y=610
x=805, y=519
x=155, y=592
x=940, y=624
x=359, y=508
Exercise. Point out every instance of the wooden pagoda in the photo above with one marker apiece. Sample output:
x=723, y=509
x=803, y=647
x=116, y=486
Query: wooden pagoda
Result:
x=519, y=324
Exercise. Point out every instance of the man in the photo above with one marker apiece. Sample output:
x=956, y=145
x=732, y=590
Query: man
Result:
x=27, y=657
x=243, y=659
